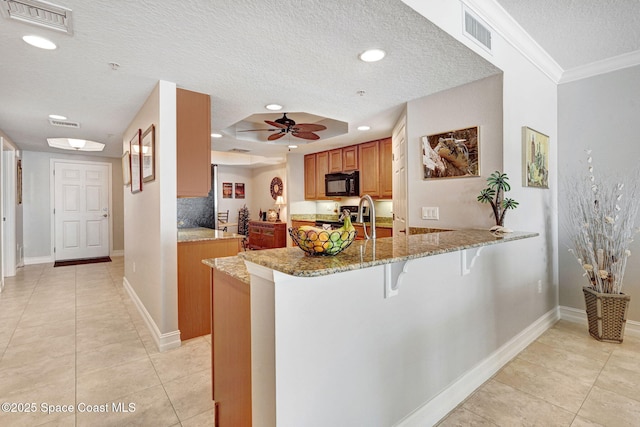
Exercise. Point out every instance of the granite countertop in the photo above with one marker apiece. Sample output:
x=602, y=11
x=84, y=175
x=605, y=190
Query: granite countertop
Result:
x=369, y=253
x=234, y=266
x=201, y=233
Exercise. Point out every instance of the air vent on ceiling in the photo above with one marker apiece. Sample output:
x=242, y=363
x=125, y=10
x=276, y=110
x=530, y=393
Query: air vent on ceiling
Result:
x=39, y=13
x=477, y=29
x=239, y=150
x=64, y=123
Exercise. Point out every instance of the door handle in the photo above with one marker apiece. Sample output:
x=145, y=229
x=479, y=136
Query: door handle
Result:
x=105, y=215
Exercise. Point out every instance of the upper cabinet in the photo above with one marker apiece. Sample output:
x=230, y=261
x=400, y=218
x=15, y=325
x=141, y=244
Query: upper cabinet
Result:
x=310, y=177
x=372, y=159
x=386, y=168
x=193, y=150
x=350, y=158
x=369, y=168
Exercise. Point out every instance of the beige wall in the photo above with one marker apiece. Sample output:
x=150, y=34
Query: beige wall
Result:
x=151, y=229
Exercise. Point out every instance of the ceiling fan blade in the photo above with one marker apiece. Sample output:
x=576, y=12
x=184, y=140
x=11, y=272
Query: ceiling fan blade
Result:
x=308, y=127
x=305, y=135
x=274, y=124
x=258, y=130
x=276, y=136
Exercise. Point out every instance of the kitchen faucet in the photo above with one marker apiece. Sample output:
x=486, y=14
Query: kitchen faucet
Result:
x=372, y=216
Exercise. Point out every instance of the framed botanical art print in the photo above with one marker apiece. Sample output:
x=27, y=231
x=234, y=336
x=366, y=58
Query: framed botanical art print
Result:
x=451, y=154
x=536, y=158
x=239, y=190
x=126, y=169
x=227, y=190
x=149, y=154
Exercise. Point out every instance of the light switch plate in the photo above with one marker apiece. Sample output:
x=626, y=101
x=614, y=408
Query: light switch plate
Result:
x=430, y=213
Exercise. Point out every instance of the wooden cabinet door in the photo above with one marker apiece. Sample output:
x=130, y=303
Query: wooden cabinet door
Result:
x=322, y=168
x=335, y=160
x=310, y=177
x=350, y=158
x=193, y=154
x=386, y=169
x=369, y=168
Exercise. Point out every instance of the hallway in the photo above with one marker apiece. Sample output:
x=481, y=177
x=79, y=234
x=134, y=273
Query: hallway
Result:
x=71, y=336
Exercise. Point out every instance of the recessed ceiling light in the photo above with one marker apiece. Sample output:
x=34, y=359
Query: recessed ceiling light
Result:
x=57, y=117
x=40, y=42
x=293, y=146
x=216, y=135
x=372, y=55
x=273, y=107
x=364, y=127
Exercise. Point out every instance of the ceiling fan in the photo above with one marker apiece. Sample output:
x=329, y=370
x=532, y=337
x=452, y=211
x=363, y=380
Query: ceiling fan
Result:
x=285, y=125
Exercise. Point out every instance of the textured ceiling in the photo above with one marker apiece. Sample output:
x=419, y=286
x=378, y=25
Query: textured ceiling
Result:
x=248, y=53
x=245, y=54
x=579, y=32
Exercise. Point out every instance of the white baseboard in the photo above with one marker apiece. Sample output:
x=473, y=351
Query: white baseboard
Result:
x=119, y=252
x=577, y=315
x=39, y=260
x=434, y=410
x=165, y=341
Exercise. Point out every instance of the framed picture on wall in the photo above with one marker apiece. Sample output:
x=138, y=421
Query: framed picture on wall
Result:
x=227, y=190
x=239, y=190
x=451, y=154
x=149, y=154
x=136, y=162
x=126, y=169
x=535, y=147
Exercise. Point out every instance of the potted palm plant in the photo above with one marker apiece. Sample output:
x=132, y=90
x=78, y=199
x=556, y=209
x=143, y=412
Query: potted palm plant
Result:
x=601, y=215
x=497, y=185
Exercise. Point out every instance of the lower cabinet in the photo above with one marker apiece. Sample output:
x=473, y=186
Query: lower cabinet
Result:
x=267, y=235
x=231, y=350
x=194, y=283
x=380, y=231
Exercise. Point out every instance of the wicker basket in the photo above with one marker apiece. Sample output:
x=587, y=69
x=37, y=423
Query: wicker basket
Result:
x=607, y=314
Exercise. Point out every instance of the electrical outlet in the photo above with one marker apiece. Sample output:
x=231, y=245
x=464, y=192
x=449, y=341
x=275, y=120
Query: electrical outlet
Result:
x=430, y=213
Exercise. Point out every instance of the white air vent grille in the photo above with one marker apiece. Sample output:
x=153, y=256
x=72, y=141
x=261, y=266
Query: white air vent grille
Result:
x=477, y=30
x=64, y=124
x=239, y=150
x=39, y=13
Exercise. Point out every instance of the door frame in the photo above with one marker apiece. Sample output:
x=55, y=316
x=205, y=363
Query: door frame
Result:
x=9, y=248
x=52, y=200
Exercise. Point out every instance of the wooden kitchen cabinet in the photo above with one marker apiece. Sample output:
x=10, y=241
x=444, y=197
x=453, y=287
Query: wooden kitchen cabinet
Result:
x=335, y=161
x=267, y=235
x=194, y=283
x=231, y=350
x=350, y=158
x=310, y=177
x=380, y=231
x=322, y=168
x=193, y=153
x=369, y=168
x=386, y=168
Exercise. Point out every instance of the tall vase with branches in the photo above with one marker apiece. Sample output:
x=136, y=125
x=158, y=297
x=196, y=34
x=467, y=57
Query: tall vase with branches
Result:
x=497, y=185
x=601, y=216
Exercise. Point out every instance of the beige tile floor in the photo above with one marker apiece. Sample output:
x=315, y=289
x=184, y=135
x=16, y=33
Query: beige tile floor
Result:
x=564, y=378
x=71, y=336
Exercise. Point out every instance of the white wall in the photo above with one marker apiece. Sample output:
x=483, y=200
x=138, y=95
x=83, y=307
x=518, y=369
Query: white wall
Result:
x=599, y=113
x=474, y=104
x=151, y=227
x=36, y=196
x=262, y=190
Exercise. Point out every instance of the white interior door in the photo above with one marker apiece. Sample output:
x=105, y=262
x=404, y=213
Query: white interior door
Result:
x=81, y=210
x=399, y=143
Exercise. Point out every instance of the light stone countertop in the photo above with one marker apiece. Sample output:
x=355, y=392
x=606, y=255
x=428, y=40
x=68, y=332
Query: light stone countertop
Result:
x=368, y=253
x=202, y=233
x=234, y=266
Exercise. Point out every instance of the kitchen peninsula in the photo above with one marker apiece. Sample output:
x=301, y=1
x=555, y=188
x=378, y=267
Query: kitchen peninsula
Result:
x=362, y=338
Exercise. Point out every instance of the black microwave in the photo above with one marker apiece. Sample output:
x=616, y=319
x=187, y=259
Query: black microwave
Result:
x=342, y=184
